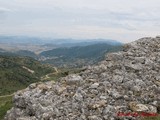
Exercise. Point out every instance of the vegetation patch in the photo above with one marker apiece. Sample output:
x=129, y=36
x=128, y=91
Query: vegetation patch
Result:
x=5, y=105
x=18, y=72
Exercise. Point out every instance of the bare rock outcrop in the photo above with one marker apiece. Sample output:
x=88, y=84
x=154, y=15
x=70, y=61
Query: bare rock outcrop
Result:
x=127, y=81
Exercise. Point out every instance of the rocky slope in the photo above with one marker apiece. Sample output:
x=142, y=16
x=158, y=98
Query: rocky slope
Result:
x=127, y=81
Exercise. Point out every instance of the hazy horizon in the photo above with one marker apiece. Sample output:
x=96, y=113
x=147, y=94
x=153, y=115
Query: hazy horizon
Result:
x=121, y=20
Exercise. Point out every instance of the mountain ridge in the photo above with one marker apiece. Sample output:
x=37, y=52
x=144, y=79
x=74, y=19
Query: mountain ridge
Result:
x=38, y=44
x=76, y=56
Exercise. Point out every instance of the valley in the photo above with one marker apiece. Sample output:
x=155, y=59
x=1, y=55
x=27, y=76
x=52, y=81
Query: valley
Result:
x=59, y=52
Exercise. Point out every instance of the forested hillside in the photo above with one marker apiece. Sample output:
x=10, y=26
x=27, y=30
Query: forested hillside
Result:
x=18, y=72
x=79, y=55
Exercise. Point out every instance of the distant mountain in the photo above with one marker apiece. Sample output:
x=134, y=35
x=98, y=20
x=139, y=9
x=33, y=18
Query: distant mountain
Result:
x=89, y=42
x=37, y=45
x=1, y=50
x=18, y=72
x=53, y=41
x=79, y=55
x=20, y=40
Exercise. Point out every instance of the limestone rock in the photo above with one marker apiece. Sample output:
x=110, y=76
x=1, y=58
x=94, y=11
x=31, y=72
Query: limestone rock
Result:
x=95, y=85
x=136, y=107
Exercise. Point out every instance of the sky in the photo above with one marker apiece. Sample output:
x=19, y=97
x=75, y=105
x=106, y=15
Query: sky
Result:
x=123, y=20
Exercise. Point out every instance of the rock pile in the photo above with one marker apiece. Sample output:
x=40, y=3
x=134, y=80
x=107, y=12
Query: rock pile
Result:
x=127, y=81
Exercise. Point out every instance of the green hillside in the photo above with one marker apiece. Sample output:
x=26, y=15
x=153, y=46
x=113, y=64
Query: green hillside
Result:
x=18, y=72
x=23, y=53
x=5, y=105
x=78, y=56
x=26, y=53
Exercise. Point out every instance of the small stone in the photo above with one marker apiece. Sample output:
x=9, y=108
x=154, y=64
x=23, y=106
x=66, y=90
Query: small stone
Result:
x=142, y=107
x=126, y=97
x=152, y=109
x=78, y=97
x=33, y=86
x=73, y=79
x=60, y=89
x=103, y=97
x=94, y=91
x=98, y=104
x=130, y=92
x=95, y=85
x=43, y=87
x=116, y=95
x=136, y=88
x=83, y=117
x=155, y=103
x=108, y=110
x=138, y=107
x=94, y=117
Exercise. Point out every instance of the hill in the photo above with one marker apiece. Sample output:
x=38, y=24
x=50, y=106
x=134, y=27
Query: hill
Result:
x=18, y=72
x=22, y=53
x=79, y=55
x=26, y=53
x=125, y=86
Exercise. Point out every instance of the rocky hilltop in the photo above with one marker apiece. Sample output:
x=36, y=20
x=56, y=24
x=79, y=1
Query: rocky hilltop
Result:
x=127, y=81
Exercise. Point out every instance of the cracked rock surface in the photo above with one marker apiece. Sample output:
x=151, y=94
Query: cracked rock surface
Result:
x=127, y=81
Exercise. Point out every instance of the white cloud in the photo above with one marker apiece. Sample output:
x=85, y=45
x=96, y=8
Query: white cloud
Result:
x=5, y=9
x=124, y=20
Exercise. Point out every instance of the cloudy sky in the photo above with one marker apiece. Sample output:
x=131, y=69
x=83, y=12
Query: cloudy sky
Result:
x=124, y=20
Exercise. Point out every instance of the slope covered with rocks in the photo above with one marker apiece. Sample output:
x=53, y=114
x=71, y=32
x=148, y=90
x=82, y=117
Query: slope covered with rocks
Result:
x=126, y=81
